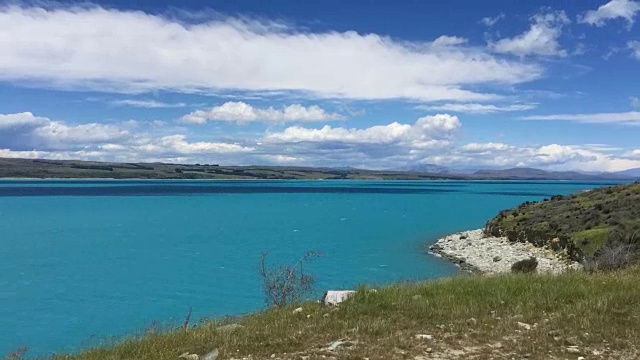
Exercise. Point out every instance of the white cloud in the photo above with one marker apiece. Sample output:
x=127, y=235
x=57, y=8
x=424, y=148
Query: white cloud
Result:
x=541, y=38
x=550, y=157
x=430, y=139
x=634, y=102
x=33, y=154
x=59, y=134
x=629, y=118
x=475, y=108
x=179, y=144
x=30, y=136
x=445, y=40
x=614, y=9
x=426, y=132
x=634, y=46
x=148, y=103
x=21, y=120
x=634, y=154
x=485, y=147
x=242, y=112
x=124, y=51
x=25, y=129
x=490, y=21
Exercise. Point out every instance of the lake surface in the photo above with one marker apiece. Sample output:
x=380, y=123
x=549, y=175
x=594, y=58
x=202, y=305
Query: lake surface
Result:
x=84, y=261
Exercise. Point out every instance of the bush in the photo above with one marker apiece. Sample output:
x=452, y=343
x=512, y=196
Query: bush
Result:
x=286, y=284
x=525, y=266
x=17, y=354
x=614, y=256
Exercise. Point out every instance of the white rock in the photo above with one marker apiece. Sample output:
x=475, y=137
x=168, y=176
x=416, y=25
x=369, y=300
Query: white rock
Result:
x=213, y=355
x=524, y=325
x=424, y=336
x=573, y=350
x=335, y=297
x=335, y=345
x=297, y=311
x=188, y=356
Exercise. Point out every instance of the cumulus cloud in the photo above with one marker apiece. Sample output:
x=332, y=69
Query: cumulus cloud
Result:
x=614, y=9
x=242, y=112
x=485, y=147
x=551, y=157
x=475, y=108
x=634, y=46
x=27, y=135
x=178, y=144
x=102, y=49
x=33, y=154
x=151, y=104
x=541, y=38
x=25, y=129
x=445, y=40
x=490, y=21
x=430, y=139
x=426, y=132
x=628, y=118
x=23, y=120
x=634, y=154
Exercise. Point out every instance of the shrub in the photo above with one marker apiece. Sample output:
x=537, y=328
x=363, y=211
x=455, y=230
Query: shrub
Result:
x=17, y=354
x=286, y=284
x=613, y=256
x=525, y=266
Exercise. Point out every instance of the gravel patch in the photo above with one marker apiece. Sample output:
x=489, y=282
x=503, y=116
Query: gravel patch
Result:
x=473, y=251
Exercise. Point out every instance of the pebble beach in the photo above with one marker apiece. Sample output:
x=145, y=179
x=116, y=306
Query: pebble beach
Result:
x=475, y=252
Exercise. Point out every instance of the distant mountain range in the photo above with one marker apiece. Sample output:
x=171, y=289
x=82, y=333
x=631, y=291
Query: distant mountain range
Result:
x=426, y=168
x=525, y=173
x=41, y=168
x=634, y=173
x=537, y=174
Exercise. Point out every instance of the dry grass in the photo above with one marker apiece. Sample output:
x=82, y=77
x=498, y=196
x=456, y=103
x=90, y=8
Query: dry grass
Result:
x=467, y=317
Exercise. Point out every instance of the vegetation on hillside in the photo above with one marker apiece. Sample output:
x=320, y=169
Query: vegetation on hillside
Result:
x=500, y=317
x=586, y=225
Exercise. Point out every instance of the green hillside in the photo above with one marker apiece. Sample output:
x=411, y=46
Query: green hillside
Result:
x=580, y=223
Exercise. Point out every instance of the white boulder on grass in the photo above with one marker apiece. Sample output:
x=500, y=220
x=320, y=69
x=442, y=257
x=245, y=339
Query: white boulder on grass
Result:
x=335, y=297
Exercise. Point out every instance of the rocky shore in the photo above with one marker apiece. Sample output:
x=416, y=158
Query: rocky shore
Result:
x=475, y=252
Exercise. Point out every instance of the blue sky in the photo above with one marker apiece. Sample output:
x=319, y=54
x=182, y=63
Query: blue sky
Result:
x=371, y=84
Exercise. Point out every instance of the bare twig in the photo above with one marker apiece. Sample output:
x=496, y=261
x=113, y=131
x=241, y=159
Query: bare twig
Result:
x=185, y=324
x=288, y=283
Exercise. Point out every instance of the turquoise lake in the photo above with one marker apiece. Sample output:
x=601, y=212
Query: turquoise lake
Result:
x=87, y=261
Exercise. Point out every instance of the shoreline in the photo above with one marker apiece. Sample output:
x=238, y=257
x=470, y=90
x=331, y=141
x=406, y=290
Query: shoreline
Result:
x=474, y=252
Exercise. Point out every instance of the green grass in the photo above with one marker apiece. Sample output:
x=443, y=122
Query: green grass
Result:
x=591, y=240
x=597, y=312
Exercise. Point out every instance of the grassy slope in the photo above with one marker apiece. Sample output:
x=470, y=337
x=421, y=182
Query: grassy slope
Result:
x=585, y=218
x=597, y=312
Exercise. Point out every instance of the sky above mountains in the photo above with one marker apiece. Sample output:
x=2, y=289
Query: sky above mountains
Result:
x=370, y=84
